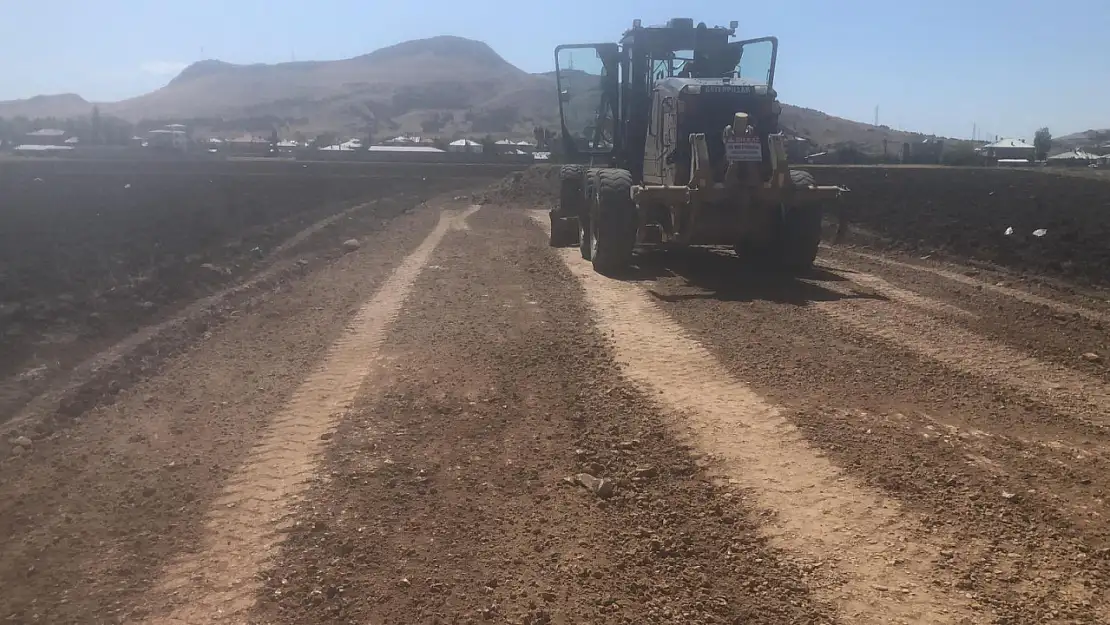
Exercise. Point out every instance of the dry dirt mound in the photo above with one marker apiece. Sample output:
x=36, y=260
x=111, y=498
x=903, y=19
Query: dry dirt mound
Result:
x=539, y=184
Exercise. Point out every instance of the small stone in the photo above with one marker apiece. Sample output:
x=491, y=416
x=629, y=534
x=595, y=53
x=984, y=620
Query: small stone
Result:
x=17, y=450
x=601, y=487
x=351, y=245
x=1091, y=357
x=880, y=588
x=327, y=436
x=22, y=441
x=645, y=472
x=1008, y=496
x=216, y=270
x=404, y=582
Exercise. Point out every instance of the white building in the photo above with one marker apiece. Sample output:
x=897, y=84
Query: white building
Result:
x=403, y=140
x=1072, y=157
x=350, y=145
x=1010, y=149
x=405, y=148
x=167, y=138
x=465, y=145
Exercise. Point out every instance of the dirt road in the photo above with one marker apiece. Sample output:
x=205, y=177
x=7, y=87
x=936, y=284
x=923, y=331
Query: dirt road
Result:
x=455, y=423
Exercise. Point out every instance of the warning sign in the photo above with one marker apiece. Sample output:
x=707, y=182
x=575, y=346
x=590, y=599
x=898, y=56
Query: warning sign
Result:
x=743, y=149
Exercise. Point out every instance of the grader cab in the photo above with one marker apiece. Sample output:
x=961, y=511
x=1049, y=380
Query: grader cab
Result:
x=673, y=135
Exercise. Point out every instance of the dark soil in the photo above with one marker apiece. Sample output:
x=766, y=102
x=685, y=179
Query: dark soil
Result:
x=965, y=213
x=959, y=212
x=537, y=184
x=90, y=253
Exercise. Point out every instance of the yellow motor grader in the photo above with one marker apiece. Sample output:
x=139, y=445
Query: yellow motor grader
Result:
x=673, y=139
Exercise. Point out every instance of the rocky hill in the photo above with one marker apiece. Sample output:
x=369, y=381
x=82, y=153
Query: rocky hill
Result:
x=442, y=86
x=1088, y=139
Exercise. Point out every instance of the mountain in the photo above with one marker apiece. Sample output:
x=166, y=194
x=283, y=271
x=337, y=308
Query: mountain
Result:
x=62, y=106
x=439, y=86
x=1079, y=140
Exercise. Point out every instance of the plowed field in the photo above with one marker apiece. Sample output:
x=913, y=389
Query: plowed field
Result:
x=451, y=422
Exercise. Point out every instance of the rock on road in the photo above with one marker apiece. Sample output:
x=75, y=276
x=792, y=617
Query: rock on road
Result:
x=453, y=423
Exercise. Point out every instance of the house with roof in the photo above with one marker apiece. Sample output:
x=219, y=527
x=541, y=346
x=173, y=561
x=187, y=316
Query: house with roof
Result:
x=351, y=145
x=165, y=138
x=247, y=145
x=465, y=145
x=1072, y=158
x=46, y=136
x=426, y=149
x=508, y=146
x=1009, y=150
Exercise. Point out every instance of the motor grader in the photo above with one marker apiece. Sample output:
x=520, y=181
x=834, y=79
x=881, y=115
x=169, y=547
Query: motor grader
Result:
x=672, y=139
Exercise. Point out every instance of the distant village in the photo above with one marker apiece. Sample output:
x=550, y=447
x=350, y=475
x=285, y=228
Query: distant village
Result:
x=998, y=153
x=177, y=138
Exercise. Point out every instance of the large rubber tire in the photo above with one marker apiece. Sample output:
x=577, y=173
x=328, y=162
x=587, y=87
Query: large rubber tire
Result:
x=795, y=239
x=799, y=235
x=564, y=232
x=571, y=195
x=589, y=184
x=612, y=222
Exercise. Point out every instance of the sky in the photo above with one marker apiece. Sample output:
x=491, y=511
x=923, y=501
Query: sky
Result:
x=950, y=67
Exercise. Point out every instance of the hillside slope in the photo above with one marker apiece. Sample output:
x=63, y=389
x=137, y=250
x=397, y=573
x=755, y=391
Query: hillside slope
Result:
x=1087, y=139
x=64, y=105
x=439, y=86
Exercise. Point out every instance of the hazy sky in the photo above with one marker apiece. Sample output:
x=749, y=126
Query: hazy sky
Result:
x=939, y=66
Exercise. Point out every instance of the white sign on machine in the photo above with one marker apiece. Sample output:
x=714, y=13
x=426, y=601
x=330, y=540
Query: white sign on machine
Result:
x=743, y=149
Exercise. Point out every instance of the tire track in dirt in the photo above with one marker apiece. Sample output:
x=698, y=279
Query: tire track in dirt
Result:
x=992, y=474
x=244, y=525
x=873, y=284
x=99, y=506
x=1053, y=322
x=817, y=510
x=1017, y=294
x=1070, y=392
x=47, y=403
x=447, y=497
